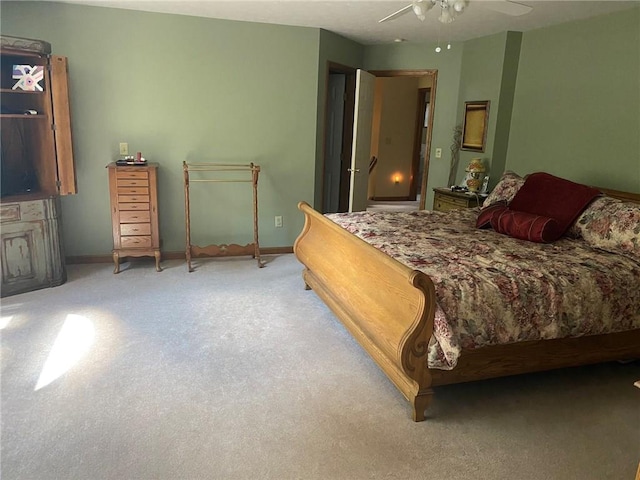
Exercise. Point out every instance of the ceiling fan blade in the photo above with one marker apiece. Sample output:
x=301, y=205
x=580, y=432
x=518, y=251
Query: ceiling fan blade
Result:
x=402, y=11
x=507, y=7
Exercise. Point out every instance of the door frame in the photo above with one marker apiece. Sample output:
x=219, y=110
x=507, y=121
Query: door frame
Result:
x=347, y=133
x=423, y=101
x=415, y=164
x=347, y=129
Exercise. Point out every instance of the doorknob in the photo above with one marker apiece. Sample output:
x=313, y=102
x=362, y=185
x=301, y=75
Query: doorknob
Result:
x=355, y=170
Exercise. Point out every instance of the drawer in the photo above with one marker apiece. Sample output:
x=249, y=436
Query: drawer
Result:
x=133, y=174
x=10, y=213
x=133, y=199
x=133, y=216
x=132, y=182
x=135, y=242
x=133, y=190
x=133, y=206
x=460, y=202
x=135, y=229
x=26, y=211
x=444, y=202
x=444, y=206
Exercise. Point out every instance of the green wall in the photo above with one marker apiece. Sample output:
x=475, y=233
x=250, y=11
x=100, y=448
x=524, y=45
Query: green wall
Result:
x=182, y=88
x=489, y=69
x=504, y=115
x=565, y=99
x=335, y=49
x=577, y=102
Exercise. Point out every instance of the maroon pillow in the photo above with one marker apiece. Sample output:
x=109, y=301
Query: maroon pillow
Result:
x=484, y=217
x=548, y=196
x=526, y=226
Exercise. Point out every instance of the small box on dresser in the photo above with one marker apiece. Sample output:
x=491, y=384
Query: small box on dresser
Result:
x=444, y=200
x=134, y=212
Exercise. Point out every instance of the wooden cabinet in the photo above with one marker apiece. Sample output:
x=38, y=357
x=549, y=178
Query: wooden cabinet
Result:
x=37, y=163
x=37, y=150
x=444, y=200
x=32, y=254
x=134, y=212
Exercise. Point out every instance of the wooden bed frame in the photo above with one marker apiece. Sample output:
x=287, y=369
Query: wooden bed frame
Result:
x=389, y=308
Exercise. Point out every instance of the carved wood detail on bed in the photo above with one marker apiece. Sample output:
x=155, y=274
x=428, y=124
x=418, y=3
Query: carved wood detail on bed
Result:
x=394, y=328
x=389, y=309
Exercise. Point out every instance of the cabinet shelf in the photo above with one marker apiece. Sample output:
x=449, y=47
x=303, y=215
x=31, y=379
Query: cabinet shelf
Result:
x=36, y=155
x=20, y=115
x=28, y=92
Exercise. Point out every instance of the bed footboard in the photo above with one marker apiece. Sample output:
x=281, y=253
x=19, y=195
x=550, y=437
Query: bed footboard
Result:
x=386, y=306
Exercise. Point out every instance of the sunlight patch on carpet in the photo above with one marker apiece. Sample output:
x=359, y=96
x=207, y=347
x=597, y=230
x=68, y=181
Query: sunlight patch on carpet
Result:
x=73, y=342
x=4, y=321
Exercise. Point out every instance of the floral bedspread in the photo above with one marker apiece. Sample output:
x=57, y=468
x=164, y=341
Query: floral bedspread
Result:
x=493, y=289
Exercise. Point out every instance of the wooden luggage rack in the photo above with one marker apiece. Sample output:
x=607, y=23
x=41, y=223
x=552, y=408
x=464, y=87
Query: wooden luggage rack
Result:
x=222, y=250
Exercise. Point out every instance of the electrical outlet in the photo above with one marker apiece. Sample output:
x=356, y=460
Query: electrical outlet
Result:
x=438, y=153
x=124, y=149
x=278, y=221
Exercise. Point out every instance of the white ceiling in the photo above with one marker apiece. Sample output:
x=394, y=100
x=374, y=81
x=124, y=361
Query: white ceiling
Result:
x=358, y=19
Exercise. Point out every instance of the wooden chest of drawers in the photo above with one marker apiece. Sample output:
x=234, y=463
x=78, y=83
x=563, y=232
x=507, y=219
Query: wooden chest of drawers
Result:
x=134, y=212
x=444, y=200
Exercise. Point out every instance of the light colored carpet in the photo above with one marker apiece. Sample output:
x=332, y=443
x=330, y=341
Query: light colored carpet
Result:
x=393, y=206
x=232, y=372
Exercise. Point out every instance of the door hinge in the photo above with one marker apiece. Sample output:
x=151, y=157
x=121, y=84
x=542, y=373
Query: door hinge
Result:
x=53, y=127
x=58, y=184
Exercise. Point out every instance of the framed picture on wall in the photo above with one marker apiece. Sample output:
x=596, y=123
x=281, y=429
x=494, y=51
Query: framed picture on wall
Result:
x=474, y=128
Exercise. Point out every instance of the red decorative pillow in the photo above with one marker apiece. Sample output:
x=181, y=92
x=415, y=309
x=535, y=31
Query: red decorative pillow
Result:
x=526, y=226
x=484, y=217
x=553, y=197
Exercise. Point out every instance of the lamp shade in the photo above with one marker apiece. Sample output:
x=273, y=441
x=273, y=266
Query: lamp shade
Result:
x=476, y=166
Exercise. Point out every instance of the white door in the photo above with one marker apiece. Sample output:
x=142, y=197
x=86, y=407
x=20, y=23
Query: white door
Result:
x=361, y=149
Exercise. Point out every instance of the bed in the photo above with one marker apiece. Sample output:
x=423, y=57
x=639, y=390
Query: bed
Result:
x=409, y=309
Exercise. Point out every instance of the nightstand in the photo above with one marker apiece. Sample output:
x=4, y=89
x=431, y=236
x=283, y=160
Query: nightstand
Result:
x=444, y=200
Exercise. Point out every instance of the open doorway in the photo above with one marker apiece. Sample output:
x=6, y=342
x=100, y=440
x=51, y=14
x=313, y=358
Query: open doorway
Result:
x=399, y=163
x=338, y=137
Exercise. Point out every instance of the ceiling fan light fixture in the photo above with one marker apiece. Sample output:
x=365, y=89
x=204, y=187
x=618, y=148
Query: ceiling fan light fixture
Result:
x=421, y=7
x=446, y=16
x=450, y=9
x=459, y=5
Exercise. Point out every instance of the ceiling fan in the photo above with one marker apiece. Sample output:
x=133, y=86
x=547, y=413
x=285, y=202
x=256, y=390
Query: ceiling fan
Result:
x=449, y=9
